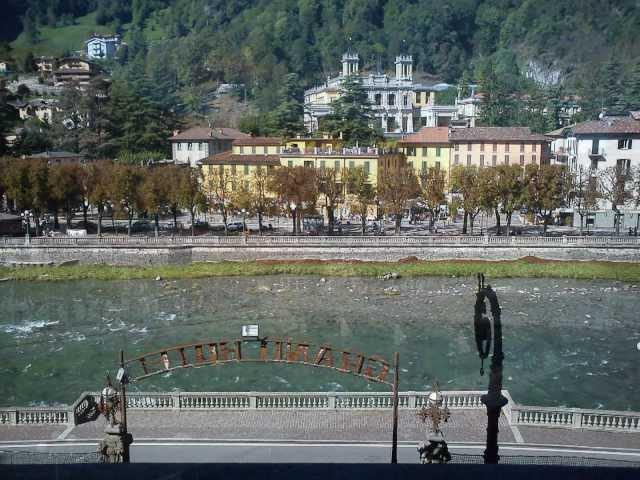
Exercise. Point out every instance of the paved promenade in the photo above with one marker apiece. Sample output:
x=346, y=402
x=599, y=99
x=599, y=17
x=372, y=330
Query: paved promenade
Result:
x=313, y=425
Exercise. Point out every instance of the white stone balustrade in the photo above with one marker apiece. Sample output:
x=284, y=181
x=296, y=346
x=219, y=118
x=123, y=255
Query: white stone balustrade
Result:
x=337, y=241
x=515, y=414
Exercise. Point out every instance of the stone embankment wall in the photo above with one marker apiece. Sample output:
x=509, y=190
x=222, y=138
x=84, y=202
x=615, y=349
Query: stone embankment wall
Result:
x=167, y=255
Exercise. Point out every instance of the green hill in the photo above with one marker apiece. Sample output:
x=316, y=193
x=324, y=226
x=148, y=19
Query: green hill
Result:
x=56, y=41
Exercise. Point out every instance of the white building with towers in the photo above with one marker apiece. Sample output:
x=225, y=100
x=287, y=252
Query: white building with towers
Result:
x=400, y=105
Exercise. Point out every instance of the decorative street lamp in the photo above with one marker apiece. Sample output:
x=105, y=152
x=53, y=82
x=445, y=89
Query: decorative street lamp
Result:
x=494, y=400
x=27, y=215
x=293, y=207
x=437, y=450
x=244, y=221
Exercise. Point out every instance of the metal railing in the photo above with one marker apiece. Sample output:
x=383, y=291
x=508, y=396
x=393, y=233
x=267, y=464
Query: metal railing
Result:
x=330, y=241
x=574, y=418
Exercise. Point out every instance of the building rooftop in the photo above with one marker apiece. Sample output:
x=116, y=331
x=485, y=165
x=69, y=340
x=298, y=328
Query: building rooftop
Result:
x=499, y=134
x=229, y=158
x=625, y=125
x=427, y=135
x=206, y=133
x=267, y=141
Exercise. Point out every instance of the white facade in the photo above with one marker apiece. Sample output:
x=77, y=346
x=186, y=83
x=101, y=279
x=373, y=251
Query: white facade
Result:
x=593, y=146
x=102, y=46
x=189, y=151
x=400, y=106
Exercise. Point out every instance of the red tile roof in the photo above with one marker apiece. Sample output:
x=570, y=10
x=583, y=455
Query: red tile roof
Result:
x=267, y=141
x=229, y=158
x=427, y=135
x=495, y=134
x=618, y=125
x=206, y=133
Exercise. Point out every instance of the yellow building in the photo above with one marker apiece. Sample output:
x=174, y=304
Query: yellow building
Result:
x=241, y=162
x=427, y=148
x=491, y=146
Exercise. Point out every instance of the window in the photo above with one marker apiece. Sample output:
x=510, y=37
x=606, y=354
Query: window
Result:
x=495, y=147
x=522, y=147
x=423, y=121
x=241, y=149
x=506, y=159
x=533, y=148
x=378, y=99
x=337, y=165
x=522, y=160
x=253, y=149
x=437, y=165
x=506, y=147
x=246, y=169
x=424, y=151
x=468, y=147
x=624, y=144
x=392, y=99
x=482, y=147
x=456, y=147
x=323, y=164
x=623, y=166
x=278, y=149
x=404, y=124
x=352, y=164
x=411, y=151
x=456, y=159
x=424, y=166
x=308, y=164
x=468, y=160
x=482, y=160
x=190, y=146
x=437, y=151
x=290, y=163
x=391, y=124
x=179, y=146
x=405, y=100
x=533, y=159
x=366, y=168
x=494, y=159
x=201, y=146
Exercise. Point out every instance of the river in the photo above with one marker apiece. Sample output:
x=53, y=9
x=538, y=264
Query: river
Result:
x=567, y=342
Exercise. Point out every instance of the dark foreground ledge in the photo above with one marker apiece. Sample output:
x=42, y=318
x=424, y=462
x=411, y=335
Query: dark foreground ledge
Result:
x=250, y=471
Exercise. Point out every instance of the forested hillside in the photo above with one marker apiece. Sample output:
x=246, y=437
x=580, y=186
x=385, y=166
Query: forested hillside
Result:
x=186, y=46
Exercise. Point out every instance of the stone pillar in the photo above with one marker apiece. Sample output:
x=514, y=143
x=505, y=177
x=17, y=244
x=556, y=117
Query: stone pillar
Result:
x=114, y=447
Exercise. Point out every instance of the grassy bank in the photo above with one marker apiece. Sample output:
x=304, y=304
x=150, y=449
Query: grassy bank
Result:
x=524, y=268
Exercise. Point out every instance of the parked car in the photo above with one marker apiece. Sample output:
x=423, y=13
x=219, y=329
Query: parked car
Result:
x=235, y=227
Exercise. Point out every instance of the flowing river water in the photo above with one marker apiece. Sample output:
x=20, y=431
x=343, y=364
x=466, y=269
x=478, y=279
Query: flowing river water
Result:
x=567, y=342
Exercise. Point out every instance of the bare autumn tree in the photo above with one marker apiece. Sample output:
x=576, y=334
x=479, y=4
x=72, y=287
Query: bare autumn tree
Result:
x=218, y=187
x=585, y=193
x=509, y=189
x=432, y=192
x=126, y=191
x=362, y=192
x=255, y=197
x=66, y=187
x=328, y=185
x=156, y=188
x=545, y=190
x=464, y=181
x=97, y=188
x=398, y=185
x=617, y=187
x=295, y=188
x=191, y=197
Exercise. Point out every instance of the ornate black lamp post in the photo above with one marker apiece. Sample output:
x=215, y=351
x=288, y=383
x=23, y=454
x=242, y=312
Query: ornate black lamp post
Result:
x=494, y=400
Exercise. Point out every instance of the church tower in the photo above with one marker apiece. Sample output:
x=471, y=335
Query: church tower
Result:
x=350, y=63
x=404, y=67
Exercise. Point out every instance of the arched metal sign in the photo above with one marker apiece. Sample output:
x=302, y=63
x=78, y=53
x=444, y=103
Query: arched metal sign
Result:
x=213, y=353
